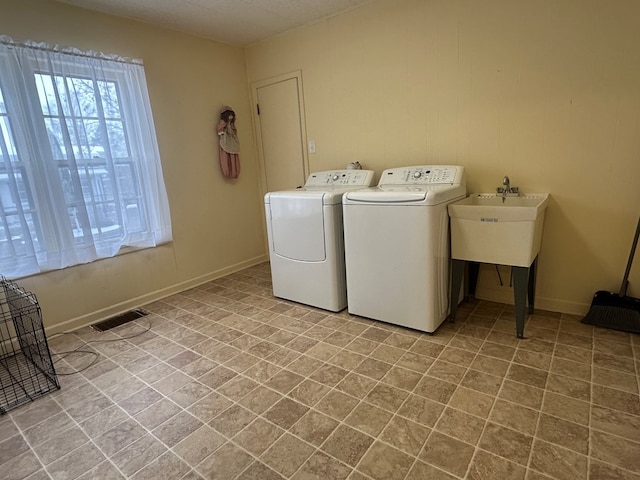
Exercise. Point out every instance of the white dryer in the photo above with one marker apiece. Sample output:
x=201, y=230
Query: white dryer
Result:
x=397, y=250
x=306, y=244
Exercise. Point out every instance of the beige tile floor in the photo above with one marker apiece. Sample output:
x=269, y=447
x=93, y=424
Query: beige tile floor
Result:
x=231, y=383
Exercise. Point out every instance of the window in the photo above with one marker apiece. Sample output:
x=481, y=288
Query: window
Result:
x=80, y=173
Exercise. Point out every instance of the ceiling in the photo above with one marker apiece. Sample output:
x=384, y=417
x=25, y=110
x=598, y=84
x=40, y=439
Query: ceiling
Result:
x=234, y=22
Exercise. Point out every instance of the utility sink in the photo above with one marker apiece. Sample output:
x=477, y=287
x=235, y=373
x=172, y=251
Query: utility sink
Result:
x=489, y=228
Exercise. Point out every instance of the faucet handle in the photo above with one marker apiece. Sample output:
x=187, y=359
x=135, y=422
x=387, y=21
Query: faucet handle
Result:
x=499, y=189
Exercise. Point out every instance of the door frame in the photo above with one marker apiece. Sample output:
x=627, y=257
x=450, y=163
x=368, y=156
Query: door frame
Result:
x=297, y=74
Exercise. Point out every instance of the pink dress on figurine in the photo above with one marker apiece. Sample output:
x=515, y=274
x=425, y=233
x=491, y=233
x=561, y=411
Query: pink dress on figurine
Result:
x=229, y=144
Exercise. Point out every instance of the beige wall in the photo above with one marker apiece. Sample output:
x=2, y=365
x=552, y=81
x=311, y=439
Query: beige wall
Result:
x=217, y=224
x=547, y=92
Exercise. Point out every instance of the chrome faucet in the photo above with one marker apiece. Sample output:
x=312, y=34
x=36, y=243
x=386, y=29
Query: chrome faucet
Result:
x=506, y=190
x=506, y=186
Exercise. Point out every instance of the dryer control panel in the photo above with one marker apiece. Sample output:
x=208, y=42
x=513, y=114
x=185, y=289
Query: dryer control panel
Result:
x=424, y=175
x=341, y=178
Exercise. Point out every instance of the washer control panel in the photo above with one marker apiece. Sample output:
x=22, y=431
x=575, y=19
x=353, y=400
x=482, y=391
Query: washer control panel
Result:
x=423, y=175
x=341, y=178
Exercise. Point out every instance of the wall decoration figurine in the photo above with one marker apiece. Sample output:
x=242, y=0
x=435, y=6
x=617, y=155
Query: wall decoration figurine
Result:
x=229, y=144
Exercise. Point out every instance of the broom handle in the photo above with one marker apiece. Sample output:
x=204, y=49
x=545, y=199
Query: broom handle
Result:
x=625, y=280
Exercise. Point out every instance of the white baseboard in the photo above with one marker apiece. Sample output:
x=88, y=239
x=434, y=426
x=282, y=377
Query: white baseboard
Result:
x=137, y=302
x=503, y=295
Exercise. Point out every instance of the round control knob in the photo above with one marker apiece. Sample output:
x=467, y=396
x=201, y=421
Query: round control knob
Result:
x=335, y=177
x=417, y=174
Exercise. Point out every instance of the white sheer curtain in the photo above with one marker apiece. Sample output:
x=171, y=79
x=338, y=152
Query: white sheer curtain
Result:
x=80, y=172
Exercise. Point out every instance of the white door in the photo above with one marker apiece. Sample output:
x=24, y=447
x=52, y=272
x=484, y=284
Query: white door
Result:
x=281, y=134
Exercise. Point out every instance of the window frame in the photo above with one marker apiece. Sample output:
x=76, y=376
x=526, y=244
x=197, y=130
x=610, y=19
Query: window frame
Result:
x=28, y=127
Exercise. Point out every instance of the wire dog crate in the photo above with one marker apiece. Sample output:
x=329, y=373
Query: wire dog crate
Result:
x=26, y=369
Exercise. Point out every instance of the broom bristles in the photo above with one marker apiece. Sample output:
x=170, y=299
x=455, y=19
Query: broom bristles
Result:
x=616, y=318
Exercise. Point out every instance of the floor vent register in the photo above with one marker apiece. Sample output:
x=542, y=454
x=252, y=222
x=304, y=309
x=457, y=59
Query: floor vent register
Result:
x=118, y=320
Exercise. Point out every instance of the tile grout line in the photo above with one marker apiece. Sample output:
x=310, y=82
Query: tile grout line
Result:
x=432, y=429
x=235, y=310
x=285, y=396
x=332, y=388
x=360, y=400
x=477, y=447
x=149, y=431
x=108, y=458
x=534, y=437
x=590, y=419
x=131, y=417
x=377, y=382
x=343, y=349
x=527, y=365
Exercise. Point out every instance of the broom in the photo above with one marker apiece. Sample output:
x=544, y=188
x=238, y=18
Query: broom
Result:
x=616, y=310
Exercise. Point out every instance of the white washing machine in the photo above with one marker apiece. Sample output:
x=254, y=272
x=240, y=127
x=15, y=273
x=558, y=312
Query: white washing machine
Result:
x=397, y=252
x=306, y=244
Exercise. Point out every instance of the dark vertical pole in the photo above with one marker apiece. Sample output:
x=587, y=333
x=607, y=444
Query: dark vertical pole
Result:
x=520, y=281
x=457, y=272
x=533, y=273
x=474, y=269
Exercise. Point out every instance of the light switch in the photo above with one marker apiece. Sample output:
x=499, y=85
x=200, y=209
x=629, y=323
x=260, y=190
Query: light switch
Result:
x=312, y=146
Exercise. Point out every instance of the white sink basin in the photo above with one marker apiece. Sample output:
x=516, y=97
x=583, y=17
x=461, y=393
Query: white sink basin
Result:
x=486, y=229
